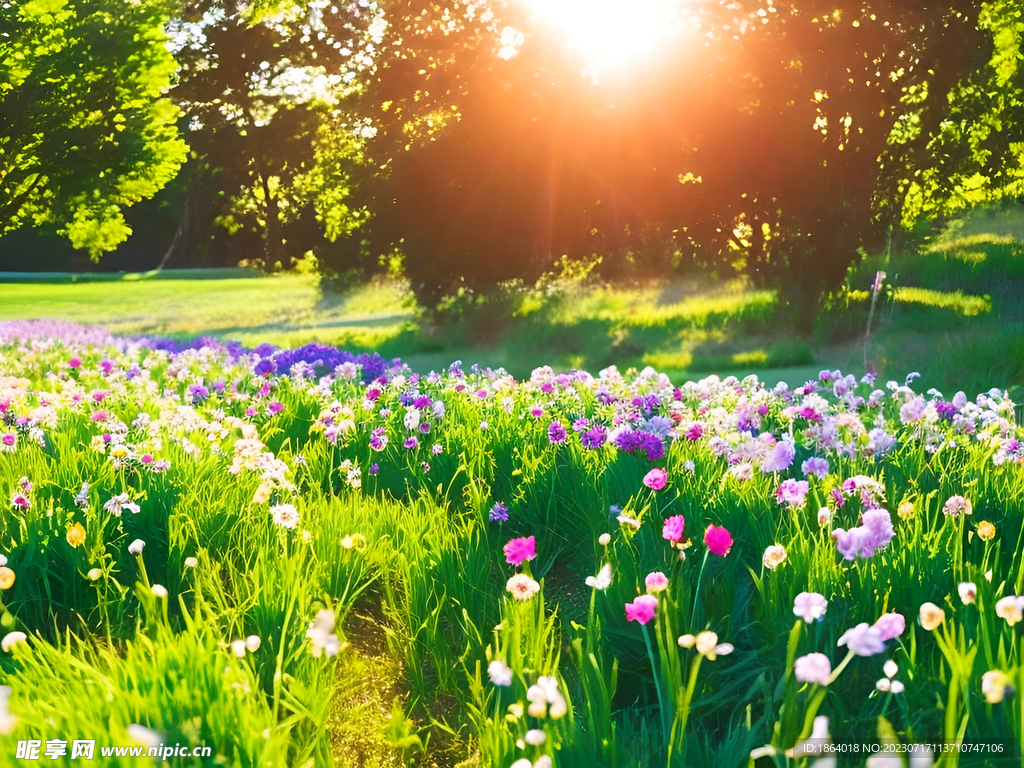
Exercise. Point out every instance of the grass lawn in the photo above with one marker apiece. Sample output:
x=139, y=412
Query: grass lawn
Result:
x=955, y=313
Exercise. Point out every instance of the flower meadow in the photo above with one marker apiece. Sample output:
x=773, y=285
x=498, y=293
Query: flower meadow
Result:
x=573, y=570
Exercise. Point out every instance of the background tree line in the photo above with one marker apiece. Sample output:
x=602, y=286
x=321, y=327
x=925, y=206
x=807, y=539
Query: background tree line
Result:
x=771, y=138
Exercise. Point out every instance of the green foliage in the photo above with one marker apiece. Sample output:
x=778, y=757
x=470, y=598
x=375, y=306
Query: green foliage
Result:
x=84, y=126
x=974, y=153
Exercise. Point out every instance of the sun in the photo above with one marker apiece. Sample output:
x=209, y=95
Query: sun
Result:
x=609, y=35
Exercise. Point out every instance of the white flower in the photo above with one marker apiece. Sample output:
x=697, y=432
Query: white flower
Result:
x=143, y=736
x=535, y=737
x=890, y=669
x=604, y=540
x=603, y=579
x=191, y=562
x=7, y=720
x=238, y=648
x=824, y=516
x=159, y=591
x=814, y=745
x=321, y=635
x=253, y=643
x=10, y=639
x=522, y=763
x=774, y=556
x=412, y=418
x=136, y=547
x=968, y=590
x=500, y=673
x=285, y=515
x=813, y=668
x=542, y=694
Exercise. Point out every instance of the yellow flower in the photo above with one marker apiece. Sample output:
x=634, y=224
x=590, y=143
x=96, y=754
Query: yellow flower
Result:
x=993, y=685
x=986, y=531
x=931, y=616
x=262, y=495
x=118, y=451
x=76, y=535
x=906, y=510
x=6, y=578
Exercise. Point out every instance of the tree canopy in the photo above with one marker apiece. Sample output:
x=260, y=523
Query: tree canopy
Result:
x=753, y=139
x=84, y=127
x=766, y=137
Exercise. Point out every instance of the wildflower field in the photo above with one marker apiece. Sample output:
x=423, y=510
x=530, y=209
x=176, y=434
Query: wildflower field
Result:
x=569, y=570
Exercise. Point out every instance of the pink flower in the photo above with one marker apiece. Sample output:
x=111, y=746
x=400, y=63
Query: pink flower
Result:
x=523, y=548
x=673, y=529
x=642, y=609
x=718, y=540
x=655, y=479
x=891, y=625
x=656, y=582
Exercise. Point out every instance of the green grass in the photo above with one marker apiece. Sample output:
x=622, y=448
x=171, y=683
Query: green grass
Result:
x=958, y=298
x=287, y=309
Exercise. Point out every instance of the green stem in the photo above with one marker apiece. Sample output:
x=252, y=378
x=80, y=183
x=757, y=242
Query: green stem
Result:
x=657, y=683
x=838, y=670
x=700, y=575
x=684, y=705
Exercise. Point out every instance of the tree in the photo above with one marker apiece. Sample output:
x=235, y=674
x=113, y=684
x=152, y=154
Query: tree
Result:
x=265, y=91
x=969, y=148
x=84, y=127
x=753, y=141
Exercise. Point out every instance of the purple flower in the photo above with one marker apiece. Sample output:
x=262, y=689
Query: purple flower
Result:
x=424, y=427
x=945, y=410
x=499, y=513
x=556, y=432
x=378, y=439
x=874, y=534
x=374, y=468
x=275, y=407
x=695, y=433
x=580, y=424
x=779, y=457
x=437, y=449
x=198, y=393
x=594, y=438
x=816, y=466
x=265, y=367
x=421, y=402
x=411, y=443
x=863, y=640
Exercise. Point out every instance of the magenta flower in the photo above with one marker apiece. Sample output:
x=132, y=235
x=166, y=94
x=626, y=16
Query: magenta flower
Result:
x=642, y=609
x=75, y=362
x=673, y=528
x=518, y=550
x=718, y=540
x=792, y=493
x=656, y=582
x=655, y=479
